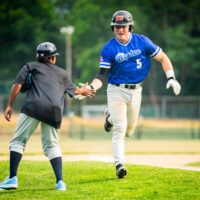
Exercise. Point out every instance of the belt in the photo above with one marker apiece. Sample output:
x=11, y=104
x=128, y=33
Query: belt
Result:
x=129, y=86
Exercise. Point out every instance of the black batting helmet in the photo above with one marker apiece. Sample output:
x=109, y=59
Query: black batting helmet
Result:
x=122, y=18
x=46, y=49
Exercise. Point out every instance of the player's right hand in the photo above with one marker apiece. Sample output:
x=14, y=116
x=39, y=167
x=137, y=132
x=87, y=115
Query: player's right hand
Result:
x=8, y=113
x=79, y=97
x=85, y=85
x=84, y=91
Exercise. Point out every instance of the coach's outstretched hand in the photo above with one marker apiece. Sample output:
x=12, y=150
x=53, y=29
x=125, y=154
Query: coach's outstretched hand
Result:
x=84, y=91
x=175, y=85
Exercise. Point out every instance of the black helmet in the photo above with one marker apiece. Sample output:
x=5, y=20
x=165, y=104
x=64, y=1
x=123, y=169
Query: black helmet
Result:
x=122, y=18
x=47, y=49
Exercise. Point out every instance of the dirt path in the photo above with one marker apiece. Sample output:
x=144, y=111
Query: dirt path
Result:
x=165, y=161
x=160, y=153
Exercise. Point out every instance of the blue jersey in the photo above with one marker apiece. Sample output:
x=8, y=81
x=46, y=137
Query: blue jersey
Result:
x=130, y=62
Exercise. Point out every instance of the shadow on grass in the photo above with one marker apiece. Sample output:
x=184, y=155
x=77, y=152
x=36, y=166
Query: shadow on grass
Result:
x=97, y=180
x=22, y=190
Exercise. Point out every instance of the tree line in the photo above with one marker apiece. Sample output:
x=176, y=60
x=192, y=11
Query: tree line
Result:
x=173, y=25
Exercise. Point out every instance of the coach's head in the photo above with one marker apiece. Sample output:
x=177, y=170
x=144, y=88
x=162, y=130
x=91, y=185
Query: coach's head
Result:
x=46, y=52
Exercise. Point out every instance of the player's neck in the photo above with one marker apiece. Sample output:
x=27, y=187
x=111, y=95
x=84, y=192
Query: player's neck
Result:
x=124, y=38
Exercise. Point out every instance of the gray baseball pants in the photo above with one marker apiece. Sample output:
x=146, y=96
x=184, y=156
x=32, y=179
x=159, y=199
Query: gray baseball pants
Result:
x=25, y=128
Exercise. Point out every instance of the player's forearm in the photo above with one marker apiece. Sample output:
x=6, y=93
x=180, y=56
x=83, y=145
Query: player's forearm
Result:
x=96, y=84
x=13, y=94
x=166, y=64
x=168, y=69
x=100, y=78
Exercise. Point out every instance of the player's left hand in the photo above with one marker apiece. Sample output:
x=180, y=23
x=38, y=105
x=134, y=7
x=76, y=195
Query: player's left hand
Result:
x=175, y=85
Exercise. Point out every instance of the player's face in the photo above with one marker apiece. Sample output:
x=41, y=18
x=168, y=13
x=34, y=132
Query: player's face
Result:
x=122, y=33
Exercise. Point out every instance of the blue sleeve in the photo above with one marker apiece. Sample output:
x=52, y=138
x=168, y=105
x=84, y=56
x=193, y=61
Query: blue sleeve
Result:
x=151, y=48
x=105, y=60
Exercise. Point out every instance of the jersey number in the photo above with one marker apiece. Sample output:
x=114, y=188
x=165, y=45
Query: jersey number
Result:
x=139, y=64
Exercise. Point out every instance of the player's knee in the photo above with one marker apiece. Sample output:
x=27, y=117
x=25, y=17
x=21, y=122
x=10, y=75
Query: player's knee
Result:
x=53, y=152
x=17, y=148
x=118, y=134
x=119, y=129
x=130, y=130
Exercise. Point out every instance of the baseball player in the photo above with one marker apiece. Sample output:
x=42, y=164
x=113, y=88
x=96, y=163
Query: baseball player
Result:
x=44, y=104
x=125, y=63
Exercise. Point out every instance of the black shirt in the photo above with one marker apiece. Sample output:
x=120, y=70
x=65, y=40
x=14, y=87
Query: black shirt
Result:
x=45, y=98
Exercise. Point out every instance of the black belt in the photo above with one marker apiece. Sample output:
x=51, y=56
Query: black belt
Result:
x=128, y=86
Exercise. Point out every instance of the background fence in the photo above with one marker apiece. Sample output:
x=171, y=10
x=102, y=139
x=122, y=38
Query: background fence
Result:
x=181, y=107
x=163, y=117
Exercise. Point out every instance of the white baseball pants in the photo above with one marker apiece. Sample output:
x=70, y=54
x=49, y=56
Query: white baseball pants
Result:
x=124, y=106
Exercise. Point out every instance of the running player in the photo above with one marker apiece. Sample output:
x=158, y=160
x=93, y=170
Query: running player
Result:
x=125, y=62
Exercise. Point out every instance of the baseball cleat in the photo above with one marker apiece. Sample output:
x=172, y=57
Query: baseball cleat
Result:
x=9, y=183
x=107, y=125
x=60, y=185
x=121, y=171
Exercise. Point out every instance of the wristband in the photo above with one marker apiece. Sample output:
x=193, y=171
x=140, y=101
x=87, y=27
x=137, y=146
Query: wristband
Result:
x=170, y=78
x=170, y=74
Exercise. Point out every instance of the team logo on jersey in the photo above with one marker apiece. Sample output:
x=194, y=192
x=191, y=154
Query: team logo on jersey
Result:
x=121, y=57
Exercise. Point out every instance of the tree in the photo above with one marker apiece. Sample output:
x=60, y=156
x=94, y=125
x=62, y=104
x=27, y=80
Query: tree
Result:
x=173, y=25
x=24, y=24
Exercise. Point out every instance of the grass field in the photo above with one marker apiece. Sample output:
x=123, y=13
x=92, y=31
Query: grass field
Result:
x=147, y=128
x=74, y=146
x=79, y=136
x=97, y=181
x=92, y=128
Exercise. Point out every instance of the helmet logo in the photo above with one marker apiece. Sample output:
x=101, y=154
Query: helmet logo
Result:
x=119, y=18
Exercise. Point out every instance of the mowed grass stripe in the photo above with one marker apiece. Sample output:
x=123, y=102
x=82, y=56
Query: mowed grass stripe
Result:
x=97, y=180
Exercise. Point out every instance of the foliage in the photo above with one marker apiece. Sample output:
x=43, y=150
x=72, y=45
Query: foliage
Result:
x=23, y=25
x=97, y=180
x=173, y=25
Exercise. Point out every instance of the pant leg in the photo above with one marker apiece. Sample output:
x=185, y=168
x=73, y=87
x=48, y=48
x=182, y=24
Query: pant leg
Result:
x=133, y=111
x=118, y=99
x=25, y=127
x=50, y=141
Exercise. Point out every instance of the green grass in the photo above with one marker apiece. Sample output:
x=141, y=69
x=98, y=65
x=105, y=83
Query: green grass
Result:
x=194, y=164
x=87, y=132
x=97, y=181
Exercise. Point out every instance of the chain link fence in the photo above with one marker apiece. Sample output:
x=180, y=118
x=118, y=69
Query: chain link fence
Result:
x=163, y=117
x=179, y=107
